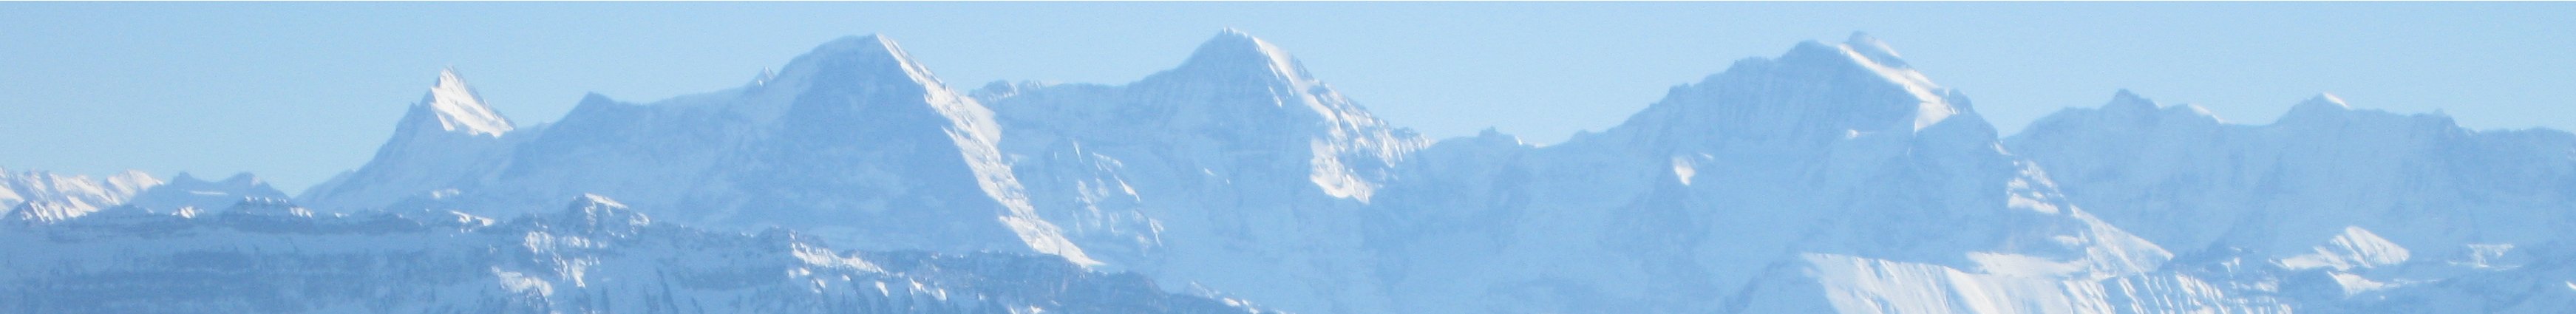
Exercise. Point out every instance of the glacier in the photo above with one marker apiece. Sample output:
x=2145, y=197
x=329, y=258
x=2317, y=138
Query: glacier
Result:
x=1832, y=178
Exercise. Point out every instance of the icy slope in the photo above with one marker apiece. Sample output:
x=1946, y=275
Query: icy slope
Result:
x=594, y=256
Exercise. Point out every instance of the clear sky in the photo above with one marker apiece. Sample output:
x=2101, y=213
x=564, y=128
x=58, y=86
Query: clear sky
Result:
x=296, y=92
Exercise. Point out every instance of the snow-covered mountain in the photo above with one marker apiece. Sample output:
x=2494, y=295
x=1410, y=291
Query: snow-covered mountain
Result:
x=52, y=198
x=43, y=196
x=852, y=141
x=594, y=256
x=2329, y=202
x=1237, y=170
x=436, y=146
x=1831, y=178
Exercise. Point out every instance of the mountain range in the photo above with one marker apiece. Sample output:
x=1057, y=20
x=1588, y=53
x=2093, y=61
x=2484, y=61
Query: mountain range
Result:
x=1831, y=178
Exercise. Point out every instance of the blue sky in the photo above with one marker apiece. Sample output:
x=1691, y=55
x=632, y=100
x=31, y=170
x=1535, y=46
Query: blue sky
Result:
x=299, y=91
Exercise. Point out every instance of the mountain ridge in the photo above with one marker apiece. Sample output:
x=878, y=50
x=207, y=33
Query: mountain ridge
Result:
x=1833, y=177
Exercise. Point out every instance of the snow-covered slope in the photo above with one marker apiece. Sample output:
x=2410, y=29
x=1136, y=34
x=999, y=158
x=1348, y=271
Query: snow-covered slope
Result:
x=852, y=141
x=2539, y=279
x=43, y=196
x=2181, y=176
x=594, y=256
x=2337, y=201
x=437, y=147
x=1237, y=170
x=37, y=197
x=1832, y=178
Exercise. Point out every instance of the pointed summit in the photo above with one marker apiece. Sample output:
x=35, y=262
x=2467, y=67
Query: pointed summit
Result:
x=1814, y=91
x=871, y=57
x=456, y=108
x=1233, y=51
x=874, y=45
x=448, y=131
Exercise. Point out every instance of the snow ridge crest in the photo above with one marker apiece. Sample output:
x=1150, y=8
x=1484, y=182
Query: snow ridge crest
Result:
x=1234, y=51
x=871, y=53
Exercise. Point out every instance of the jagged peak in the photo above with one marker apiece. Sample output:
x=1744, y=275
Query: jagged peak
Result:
x=873, y=54
x=1233, y=50
x=870, y=43
x=2127, y=105
x=455, y=108
x=1903, y=99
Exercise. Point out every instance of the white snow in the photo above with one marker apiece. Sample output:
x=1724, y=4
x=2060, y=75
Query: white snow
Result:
x=735, y=159
x=1859, y=285
x=1871, y=53
x=1683, y=171
x=2356, y=284
x=1837, y=178
x=460, y=110
x=2354, y=248
x=46, y=197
